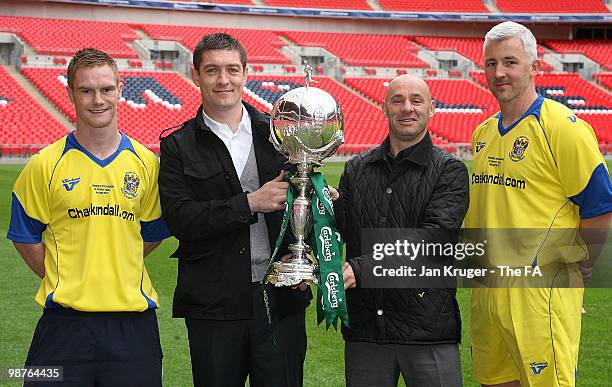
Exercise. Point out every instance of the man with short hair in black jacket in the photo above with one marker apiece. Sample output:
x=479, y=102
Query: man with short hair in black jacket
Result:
x=221, y=190
x=406, y=182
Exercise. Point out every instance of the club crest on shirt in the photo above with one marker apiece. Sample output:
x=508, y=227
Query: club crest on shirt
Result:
x=518, y=149
x=131, y=181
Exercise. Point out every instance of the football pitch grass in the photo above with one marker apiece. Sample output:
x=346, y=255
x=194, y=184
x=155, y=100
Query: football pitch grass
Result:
x=325, y=356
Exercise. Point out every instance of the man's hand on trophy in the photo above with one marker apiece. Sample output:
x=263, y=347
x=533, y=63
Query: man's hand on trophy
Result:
x=333, y=192
x=348, y=276
x=271, y=197
x=302, y=286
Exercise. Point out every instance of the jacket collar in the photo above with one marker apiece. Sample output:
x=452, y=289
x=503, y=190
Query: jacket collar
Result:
x=420, y=155
x=264, y=151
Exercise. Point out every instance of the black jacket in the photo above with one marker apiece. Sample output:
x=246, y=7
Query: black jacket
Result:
x=207, y=211
x=424, y=187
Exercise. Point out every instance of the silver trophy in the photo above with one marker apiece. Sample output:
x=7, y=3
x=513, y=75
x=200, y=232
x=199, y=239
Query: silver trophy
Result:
x=306, y=126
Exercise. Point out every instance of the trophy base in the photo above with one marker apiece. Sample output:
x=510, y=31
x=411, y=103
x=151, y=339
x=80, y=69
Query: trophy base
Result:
x=292, y=273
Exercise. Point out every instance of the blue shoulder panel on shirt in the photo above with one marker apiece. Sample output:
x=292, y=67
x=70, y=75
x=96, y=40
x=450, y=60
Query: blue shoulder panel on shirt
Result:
x=22, y=228
x=596, y=198
x=155, y=230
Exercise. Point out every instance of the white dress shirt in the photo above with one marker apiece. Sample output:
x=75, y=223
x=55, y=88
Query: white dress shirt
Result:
x=238, y=144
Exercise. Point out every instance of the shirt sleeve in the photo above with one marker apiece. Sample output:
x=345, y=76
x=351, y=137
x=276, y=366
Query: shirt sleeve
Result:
x=596, y=198
x=155, y=230
x=152, y=226
x=576, y=154
x=30, y=211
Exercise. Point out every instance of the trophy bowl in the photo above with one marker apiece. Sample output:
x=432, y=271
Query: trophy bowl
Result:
x=306, y=126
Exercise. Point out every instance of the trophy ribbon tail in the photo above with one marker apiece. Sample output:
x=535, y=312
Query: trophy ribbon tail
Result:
x=327, y=247
x=279, y=241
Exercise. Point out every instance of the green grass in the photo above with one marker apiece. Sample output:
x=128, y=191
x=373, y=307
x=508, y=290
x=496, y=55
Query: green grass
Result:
x=324, y=360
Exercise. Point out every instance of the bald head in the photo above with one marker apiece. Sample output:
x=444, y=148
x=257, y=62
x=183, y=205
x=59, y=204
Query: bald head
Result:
x=407, y=82
x=408, y=107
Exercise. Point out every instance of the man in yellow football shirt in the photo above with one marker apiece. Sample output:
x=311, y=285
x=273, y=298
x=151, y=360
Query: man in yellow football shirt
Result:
x=536, y=167
x=85, y=213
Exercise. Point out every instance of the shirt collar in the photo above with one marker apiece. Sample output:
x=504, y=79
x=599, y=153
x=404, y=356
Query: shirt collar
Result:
x=419, y=153
x=215, y=126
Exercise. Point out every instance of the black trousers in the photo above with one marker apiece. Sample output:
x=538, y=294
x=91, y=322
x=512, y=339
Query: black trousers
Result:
x=224, y=353
x=372, y=364
x=98, y=349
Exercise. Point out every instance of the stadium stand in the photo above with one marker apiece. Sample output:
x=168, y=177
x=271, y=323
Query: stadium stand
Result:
x=151, y=101
x=261, y=45
x=26, y=126
x=565, y=7
x=586, y=100
x=605, y=79
x=325, y=4
x=160, y=99
x=362, y=49
x=455, y=118
x=365, y=125
x=154, y=101
x=470, y=48
x=598, y=50
x=476, y=6
x=220, y=2
x=233, y=2
x=65, y=37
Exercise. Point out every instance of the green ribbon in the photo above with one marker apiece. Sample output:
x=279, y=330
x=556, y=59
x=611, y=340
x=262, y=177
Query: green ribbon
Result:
x=283, y=229
x=327, y=247
x=279, y=241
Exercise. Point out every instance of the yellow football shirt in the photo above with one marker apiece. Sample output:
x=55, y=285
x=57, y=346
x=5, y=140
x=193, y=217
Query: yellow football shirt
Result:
x=92, y=216
x=544, y=172
x=531, y=184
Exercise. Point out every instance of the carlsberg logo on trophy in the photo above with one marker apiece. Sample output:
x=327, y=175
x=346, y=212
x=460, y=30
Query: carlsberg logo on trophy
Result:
x=307, y=126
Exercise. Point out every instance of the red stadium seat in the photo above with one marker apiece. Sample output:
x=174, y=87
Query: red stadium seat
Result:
x=598, y=50
x=260, y=44
x=362, y=49
x=24, y=121
x=434, y=6
x=565, y=7
x=461, y=105
x=326, y=4
x=587, y=101
x=65, y=37
x=470, y=48
x=142, y=123
x=234, y=2
x=604, y=79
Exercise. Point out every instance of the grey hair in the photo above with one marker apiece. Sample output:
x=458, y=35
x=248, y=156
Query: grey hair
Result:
x=508, y=30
